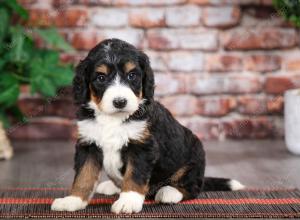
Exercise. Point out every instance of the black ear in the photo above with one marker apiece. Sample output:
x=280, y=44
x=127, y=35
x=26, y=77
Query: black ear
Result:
x=148, y=77
x=80, y=83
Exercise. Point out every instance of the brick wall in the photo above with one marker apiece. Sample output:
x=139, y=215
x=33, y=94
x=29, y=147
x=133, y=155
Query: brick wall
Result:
x=221, y=65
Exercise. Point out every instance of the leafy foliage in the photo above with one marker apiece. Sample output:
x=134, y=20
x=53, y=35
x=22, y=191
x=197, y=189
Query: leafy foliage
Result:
x=22, y=62
x=289, y=9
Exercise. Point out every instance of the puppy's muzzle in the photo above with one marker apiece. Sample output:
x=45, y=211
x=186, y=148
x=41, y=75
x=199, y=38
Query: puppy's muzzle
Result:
x=119, y=103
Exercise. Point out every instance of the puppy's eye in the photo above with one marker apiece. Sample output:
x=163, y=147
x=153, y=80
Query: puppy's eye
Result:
x=131, y=76
x=101, y=78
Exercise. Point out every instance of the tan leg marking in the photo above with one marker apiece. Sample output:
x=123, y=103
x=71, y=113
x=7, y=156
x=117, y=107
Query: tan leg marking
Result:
x=176, y=177
x=128, y=183
x=86, y=180
x=178, y=174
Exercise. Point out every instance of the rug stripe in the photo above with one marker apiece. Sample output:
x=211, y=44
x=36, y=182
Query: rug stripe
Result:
x=194, y=201
x=35, y=203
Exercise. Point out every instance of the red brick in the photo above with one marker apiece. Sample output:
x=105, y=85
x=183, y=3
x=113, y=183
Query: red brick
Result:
x=280, y=83
x=26, y=3
x=215, y=106
x=262, y=63
x=267, y=2
x=188, y=15
x=71, y=17
x=231, y=84
x=147, y=2
x=95, y=2
x=261, y=12
x=165, y=39
x=85, y=40
x=240, y=128
x=40, y=18
x=223, y=63
x=36, y=107
x=205, y=129
x=104, y=17
x=225, y=2
x=158, y=60
x=71, y=58
x=252, y=105
x=43, y=129
x=258, y=16
x=293, y=64
x=132, y=36
x=185, y=61
x=275, y=105
x=222, y=17
x=62, y=3
x=147, y=18
x=167, y=84
x=181, y=105
x=263, y=38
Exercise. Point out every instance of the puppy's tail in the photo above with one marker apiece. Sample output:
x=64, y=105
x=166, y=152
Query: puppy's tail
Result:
x=221, y=184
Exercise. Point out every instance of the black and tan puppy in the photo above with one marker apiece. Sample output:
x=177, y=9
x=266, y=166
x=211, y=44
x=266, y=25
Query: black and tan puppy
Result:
x=133, y=138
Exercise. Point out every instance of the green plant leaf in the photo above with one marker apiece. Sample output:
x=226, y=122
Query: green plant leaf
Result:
x=18, y=115
x=4, y=119
x=63, y=76
x=2, y=63
x=10, y=91
x=18, y=46
x=47, y=87
x=54, y=39
x=4, y=18
x=17, y=8
x=41, y=76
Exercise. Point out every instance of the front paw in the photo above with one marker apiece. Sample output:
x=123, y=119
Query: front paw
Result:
x=68, y=203
x=128, y=202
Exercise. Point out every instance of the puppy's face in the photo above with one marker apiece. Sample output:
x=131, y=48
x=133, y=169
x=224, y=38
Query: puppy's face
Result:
x=116, y=87
x=115, y=78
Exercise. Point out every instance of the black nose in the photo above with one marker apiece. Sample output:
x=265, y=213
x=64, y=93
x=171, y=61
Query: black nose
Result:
x=119, y=102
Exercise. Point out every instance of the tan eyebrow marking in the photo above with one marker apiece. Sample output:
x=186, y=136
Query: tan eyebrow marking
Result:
x=129, y=66
x=102, y=69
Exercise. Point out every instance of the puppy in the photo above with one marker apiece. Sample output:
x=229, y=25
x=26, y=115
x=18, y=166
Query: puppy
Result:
x=134, y=139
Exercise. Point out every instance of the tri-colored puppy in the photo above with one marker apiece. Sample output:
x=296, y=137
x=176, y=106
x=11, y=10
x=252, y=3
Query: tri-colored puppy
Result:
x=133, y=138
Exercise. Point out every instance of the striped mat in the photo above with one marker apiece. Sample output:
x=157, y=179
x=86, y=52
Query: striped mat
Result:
x=35, y=203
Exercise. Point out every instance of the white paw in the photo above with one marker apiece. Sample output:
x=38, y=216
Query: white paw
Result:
x=168, y=194
x=108, y=188
x=236, y=185
x=68, y=203
x=128, y=202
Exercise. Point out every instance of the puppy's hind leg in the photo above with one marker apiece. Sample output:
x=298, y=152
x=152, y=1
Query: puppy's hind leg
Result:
x=168, y=194
x=108, y=188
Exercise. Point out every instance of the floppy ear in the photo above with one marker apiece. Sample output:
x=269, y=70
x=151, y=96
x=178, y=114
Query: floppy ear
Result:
x=80, y=83
x=148, y=77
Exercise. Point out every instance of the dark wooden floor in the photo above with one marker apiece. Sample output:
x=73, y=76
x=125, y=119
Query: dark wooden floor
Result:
x=257, y=164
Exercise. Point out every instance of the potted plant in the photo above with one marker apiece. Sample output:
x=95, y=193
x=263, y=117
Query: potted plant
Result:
x=292, y=120
x=22, y=62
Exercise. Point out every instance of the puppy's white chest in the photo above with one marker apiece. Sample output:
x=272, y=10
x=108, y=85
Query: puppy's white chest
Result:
x=111, y=134
x=112, y=164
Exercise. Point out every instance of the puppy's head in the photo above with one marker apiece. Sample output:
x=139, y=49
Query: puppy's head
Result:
x=115, y=78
